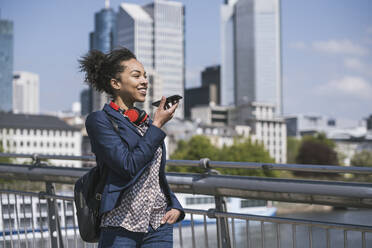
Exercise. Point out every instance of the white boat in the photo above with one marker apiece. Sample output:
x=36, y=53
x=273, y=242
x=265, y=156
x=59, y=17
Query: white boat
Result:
x=233, y=205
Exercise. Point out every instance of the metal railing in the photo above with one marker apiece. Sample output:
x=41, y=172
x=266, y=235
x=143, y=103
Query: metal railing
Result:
x=29, y=219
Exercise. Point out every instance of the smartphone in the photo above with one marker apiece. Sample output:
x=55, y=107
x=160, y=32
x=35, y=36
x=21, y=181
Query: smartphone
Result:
x=169, y=102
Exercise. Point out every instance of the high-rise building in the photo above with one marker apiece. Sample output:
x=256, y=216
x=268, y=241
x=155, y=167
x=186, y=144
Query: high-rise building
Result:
x=210, y=76
x=6, y=65
x=26, y=92
x=208, y=94
x=155, y=33
x=135, y=32
x=102, y=39
x=85, y=98
x=251, y=53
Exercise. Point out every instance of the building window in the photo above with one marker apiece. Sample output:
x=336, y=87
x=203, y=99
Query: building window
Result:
x=47, y=144
x=8, y=208
x=28, y=143
x=35, y=144
x=72, y=145
x=14, y=143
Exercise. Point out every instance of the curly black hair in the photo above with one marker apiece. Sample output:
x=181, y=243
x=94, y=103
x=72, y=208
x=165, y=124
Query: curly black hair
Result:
x=100, y=68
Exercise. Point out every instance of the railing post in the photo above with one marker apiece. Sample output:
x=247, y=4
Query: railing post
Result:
x=223, y=233
x=53, y=217
x=222, y=223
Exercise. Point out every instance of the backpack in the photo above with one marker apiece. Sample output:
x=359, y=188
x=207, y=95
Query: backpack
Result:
x=87, y=196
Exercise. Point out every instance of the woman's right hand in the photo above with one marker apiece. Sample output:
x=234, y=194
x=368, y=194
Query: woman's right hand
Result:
x=162, y=115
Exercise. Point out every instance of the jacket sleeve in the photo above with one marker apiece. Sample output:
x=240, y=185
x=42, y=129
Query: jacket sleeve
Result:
x=109, y=147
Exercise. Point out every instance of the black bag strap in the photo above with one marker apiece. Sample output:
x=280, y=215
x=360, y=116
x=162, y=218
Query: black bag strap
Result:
x=103, y=170
x=116, y=128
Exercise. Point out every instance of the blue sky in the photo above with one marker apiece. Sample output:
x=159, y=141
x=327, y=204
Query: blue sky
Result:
x=326, y=55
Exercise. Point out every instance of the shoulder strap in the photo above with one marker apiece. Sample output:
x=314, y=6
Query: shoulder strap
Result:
x=116, y=128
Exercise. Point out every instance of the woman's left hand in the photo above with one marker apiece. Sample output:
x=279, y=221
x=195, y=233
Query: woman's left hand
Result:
x=171, y=216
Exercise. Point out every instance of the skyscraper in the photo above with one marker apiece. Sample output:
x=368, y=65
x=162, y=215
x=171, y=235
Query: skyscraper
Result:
x=6, y=65
x=251, y=52
x=25, y=92
x=155, y=33
x=85, y=98
x=135, y=32
x=102, y=39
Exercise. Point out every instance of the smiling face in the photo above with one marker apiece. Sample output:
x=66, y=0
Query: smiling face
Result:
x=132, y=83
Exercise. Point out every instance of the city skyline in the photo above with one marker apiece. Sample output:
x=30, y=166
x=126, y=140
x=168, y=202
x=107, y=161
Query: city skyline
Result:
x=325, y=50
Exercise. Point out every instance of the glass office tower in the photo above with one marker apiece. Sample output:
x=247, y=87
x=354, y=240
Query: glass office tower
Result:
x=6, y=65
x=251, y=52
x=155, y=32
x=102, y=39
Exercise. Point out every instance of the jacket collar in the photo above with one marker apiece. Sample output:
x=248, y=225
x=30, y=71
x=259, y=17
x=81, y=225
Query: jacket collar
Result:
x=118, y=116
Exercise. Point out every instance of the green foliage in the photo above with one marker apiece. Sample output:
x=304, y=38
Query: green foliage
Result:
x=293, y=145
x=320, y=138
x=317, y=150
x=196, y=148
x=242, y=150
x=363, y=158
x=4, y=160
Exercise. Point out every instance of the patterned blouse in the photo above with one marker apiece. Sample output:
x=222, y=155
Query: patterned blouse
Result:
x=145, y=203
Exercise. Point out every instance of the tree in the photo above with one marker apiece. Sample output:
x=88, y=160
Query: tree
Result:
x=316, y=150
x=242, y=150
x=293, y=145
x=197, y=147
x=363, y=158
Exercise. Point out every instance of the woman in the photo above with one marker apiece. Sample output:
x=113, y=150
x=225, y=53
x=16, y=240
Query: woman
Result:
x=138, y=208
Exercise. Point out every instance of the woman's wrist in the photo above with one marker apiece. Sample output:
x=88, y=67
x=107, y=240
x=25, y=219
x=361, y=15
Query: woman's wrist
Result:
x=156, y=124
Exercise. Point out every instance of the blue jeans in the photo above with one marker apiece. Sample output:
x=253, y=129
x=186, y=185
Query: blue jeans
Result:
x=120, y=237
